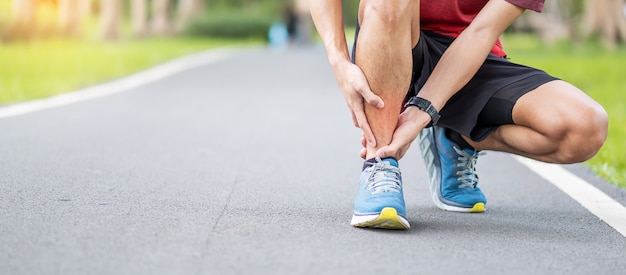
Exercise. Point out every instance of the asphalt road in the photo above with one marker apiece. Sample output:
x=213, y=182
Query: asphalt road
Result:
x=249, y=165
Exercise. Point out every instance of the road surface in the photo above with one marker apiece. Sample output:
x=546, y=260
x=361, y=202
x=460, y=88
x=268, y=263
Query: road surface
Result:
x=249, y=165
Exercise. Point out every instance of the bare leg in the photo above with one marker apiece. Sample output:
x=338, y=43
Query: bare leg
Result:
x=389, y=31
x=555, y=123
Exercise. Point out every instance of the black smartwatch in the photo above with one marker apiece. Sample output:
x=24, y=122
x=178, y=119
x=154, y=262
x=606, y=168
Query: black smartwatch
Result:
x=426, y=106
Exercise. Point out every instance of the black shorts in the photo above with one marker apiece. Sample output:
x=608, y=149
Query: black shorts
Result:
x=487, y=100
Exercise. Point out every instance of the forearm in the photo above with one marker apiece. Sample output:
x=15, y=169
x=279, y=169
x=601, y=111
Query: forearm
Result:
x=468, y=52
x=456, y=68
x=328, y=19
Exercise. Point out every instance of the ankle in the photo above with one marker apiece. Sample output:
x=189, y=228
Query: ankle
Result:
x=372, y=161
x=392, y=161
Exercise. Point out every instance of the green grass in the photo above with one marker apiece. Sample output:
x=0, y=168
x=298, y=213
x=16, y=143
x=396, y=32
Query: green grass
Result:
x=598, y=72
x=31, y=70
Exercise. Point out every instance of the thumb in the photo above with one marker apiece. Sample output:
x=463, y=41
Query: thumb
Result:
x=371, y=98
x=387, y=151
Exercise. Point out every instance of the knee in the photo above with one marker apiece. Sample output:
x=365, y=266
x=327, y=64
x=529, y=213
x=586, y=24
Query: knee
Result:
x=585, y=135
x=388, y=12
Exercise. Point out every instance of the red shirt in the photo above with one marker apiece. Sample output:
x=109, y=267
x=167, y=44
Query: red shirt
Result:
x=451, y=17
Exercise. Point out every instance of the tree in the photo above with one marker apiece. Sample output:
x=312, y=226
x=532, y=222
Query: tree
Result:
x=139, y=17
x=110, y=13
x=69, y=16
x=606, y=18
x=23, y=24
x=187, y=9
x=160, y=17
x=84, y=8
x=562, y=19
x=553, y=24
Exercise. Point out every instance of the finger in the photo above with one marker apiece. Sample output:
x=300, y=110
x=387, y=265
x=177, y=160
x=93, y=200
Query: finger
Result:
x=363, y=152
x=362, y=86
x=364, y=125
x=386, y=152
x=402, y=138
x=371, y=98
x=402, y=151
x=390, y=151
x=367, y=131
x=363, y=140
x=354, y=120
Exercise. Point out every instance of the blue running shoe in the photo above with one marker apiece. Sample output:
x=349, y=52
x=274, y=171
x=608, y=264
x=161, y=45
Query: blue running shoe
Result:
x=380, y=202
x=452, y=172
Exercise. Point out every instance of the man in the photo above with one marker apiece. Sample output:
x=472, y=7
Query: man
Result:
x=440, y=62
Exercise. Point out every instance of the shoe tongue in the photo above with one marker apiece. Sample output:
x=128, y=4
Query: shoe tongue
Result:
x=393, y=162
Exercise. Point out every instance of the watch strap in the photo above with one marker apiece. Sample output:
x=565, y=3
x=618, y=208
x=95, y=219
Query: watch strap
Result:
x=424, y=105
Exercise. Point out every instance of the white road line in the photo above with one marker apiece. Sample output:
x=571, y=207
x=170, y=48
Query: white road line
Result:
x=120, y=85
x=598, y=203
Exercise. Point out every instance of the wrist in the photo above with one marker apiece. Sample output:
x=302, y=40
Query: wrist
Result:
x=337, y=54
x=425, y=106
x=339, y=62
x=419, y=117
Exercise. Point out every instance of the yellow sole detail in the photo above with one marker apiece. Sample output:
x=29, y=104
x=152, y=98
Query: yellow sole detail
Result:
x=478, y=208
x=388, y=219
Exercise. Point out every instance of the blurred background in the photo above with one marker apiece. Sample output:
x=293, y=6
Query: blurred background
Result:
x=48, y=47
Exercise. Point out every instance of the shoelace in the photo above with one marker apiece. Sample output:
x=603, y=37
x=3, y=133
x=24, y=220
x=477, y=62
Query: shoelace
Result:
x=384, y=178
x=467, y=172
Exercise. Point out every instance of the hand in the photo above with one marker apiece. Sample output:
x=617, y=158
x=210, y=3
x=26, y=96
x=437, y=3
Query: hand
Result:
x=356, y=90
x=363, y=152
x=410, y=123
